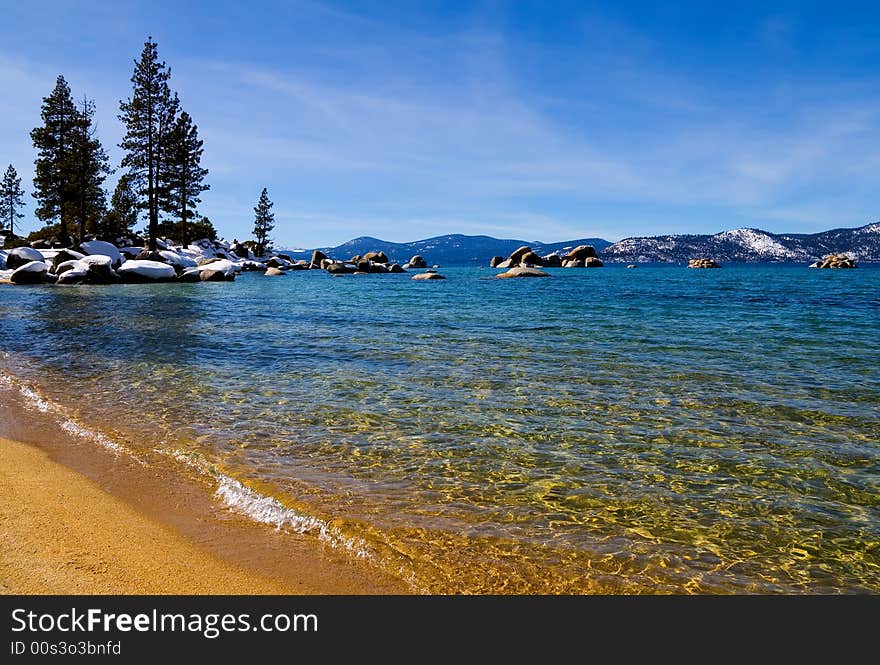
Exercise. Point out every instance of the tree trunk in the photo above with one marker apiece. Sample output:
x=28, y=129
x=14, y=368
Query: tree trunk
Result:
x=151, y=184
x=62, y=186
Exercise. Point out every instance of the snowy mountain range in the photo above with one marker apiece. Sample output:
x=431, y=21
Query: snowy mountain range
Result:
x=739, y=245
x=750, y=246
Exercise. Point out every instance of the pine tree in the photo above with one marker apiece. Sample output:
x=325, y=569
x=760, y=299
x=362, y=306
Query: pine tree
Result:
x=10, y=198
x=123, y=214
x=149, y=117
x=185, y=175
x=90, y=167
x=264, y=222
x=54, y=142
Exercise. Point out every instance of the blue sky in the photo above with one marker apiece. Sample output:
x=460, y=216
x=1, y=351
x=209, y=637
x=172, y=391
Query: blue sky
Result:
x=534, y=120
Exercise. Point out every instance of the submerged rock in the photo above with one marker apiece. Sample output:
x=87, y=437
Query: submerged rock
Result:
x=521, y=271
x=273, y=272
x=428, y=275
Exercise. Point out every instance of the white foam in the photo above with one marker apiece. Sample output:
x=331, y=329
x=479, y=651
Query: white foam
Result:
x=96, y=437
x=34, y=400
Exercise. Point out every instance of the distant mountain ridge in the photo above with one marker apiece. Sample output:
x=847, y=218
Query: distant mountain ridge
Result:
x=739, y=245
x=749, y=246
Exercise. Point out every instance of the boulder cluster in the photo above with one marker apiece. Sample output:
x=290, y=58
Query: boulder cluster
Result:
x=702, y=263
x=369, y=263
x=100, y=262
x=835, y=261
x=583, y=256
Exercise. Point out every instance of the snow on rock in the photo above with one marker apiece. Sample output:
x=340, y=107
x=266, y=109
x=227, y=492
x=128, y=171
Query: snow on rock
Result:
x=104, y=248
x=33, y=272
x=97, y=260
x=175, y=259
x=77, y=274
x=19, y=256
x=146, y=271
x=224, y=266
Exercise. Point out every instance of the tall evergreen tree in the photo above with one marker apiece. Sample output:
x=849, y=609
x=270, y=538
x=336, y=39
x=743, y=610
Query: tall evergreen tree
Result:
x=54, y=142
x=149, y=117
x=10, y=198
x=264, y=222
x=185, y=174
x=90, y=167
x=123, y=214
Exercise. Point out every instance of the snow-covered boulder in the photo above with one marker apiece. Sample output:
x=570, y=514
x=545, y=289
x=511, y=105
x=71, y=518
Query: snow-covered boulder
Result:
x=175, y=259
x=146, y=271
x=219, y=271
x=33, y=272
x=76, y=274
x=20, y=256
x=130, y=252
x=104, y=248
x=64, y=256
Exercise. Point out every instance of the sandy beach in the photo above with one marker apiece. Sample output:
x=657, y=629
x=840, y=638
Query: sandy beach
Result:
x=108, y=526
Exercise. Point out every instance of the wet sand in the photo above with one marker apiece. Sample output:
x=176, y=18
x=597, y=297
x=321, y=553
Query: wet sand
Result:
x=75, y=519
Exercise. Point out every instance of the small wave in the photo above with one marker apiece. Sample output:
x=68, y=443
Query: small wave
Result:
x=269, y=510
x=85, y=433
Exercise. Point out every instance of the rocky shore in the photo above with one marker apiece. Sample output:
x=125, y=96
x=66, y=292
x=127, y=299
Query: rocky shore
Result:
x=100, y=262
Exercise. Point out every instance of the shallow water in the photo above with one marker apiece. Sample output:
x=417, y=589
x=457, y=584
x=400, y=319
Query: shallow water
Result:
x=650, y=430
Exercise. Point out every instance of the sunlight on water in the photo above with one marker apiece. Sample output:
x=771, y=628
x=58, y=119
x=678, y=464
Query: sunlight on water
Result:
x=658, y=430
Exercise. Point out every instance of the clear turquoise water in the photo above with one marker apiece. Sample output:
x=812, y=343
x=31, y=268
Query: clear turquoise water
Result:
x=650, y=430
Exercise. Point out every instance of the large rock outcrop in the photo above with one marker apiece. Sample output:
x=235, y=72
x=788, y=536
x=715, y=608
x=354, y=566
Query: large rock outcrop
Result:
x=835, y=261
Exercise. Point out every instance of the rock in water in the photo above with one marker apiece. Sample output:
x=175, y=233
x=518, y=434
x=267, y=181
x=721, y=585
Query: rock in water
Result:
x=136, y=271
x=375, y=257
x=317, y=258
x=592, y=262
x=517, y=255
x=632, y=265
x=521, y=271
x=531, y=259
x=496, y=261
x=274, y=272
x=416, y=262
x=394, y=267
x=32, y=272
x=428, y=275
x=580, y=253
x=552, y=261
x=339, y=268
x=702, y=263
x=836, y=261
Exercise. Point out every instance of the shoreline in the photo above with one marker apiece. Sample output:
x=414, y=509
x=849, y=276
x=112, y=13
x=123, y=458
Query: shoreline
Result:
x=79, y=519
